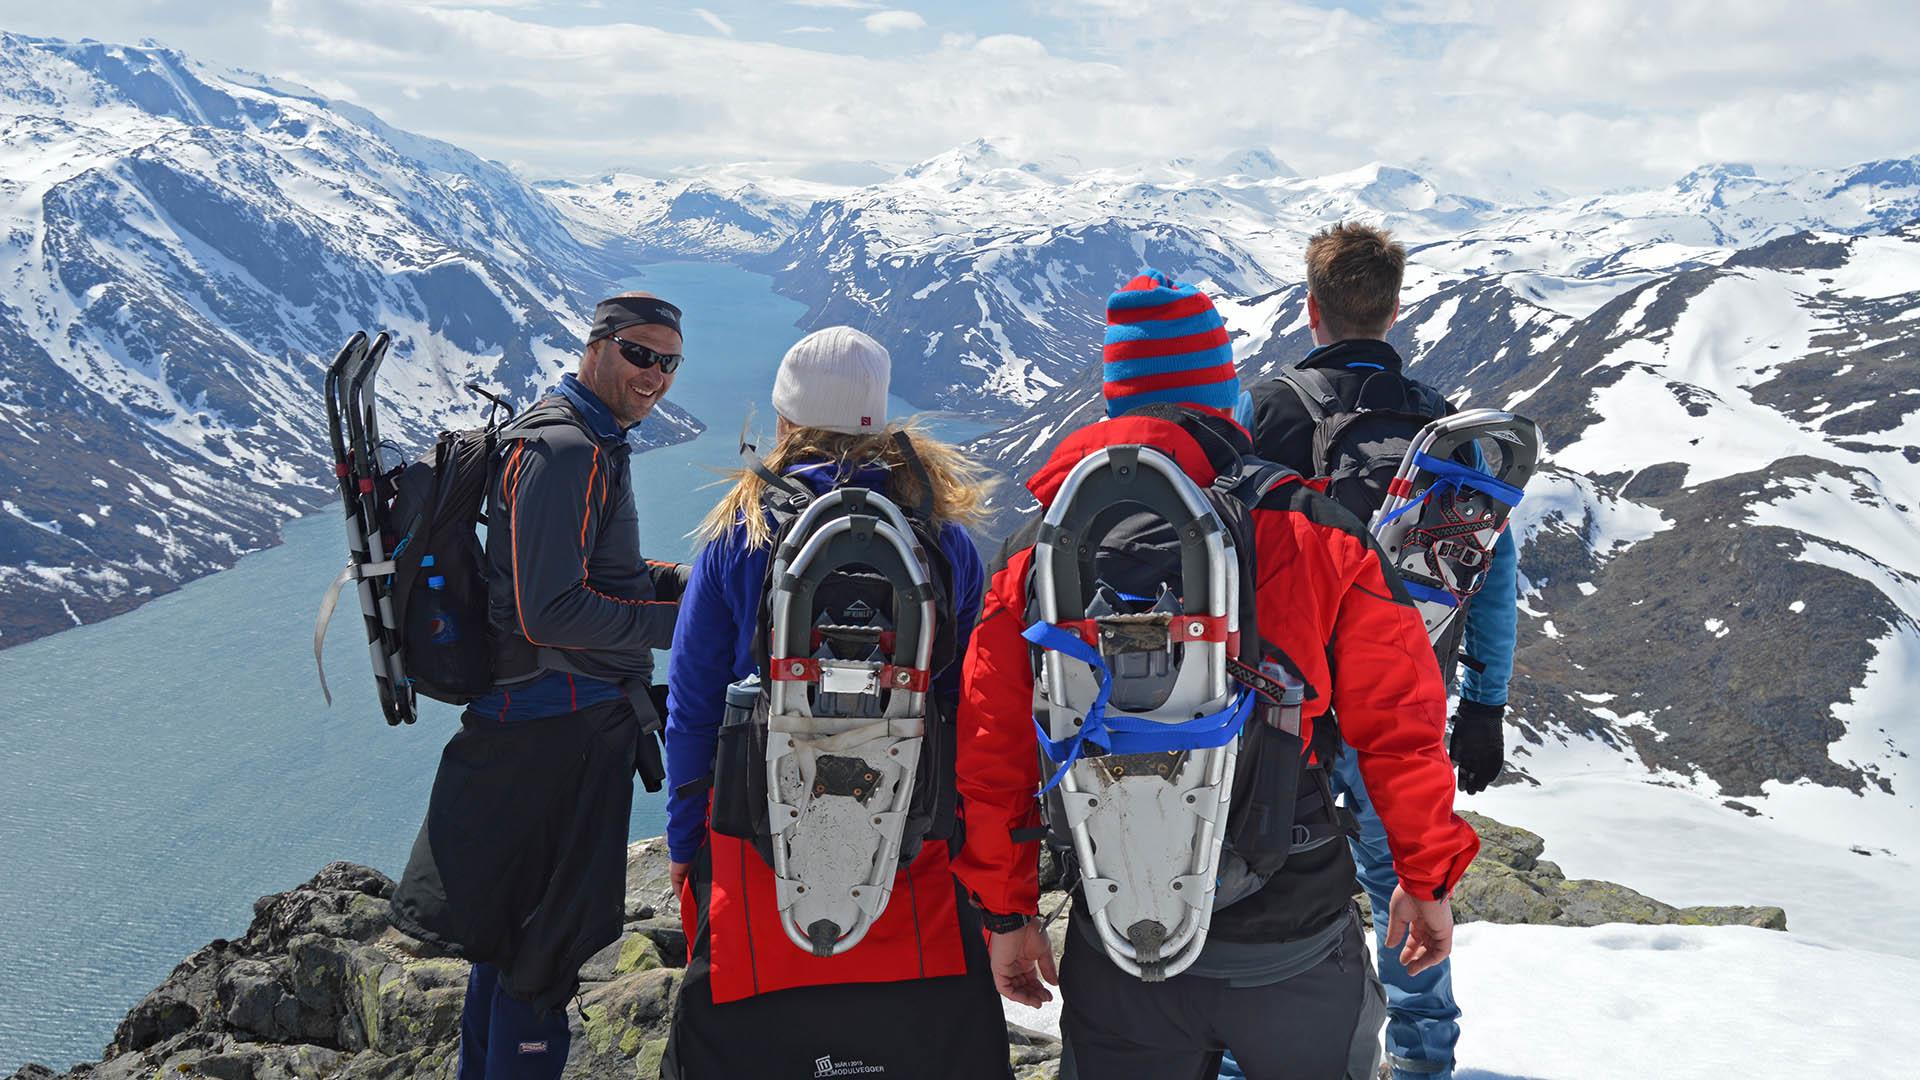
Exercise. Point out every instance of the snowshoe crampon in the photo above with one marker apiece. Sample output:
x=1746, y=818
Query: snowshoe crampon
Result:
x=1441, y=518
x=846, y=714
x=1137, y=709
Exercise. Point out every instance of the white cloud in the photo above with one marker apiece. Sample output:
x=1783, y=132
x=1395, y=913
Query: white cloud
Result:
x=1011, y=47
x=1609, y=93
x=808, y=30
x=714, y=21
x=887, y=22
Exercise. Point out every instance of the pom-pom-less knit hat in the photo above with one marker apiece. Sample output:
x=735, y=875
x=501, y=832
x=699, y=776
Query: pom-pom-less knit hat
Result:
x=1165, y=342
x=835, y=380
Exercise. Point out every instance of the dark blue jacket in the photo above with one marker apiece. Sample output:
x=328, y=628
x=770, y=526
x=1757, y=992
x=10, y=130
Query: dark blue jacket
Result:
x=713, y=646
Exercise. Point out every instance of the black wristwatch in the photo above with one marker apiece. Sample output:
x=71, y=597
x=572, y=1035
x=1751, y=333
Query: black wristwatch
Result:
x=1003, y=924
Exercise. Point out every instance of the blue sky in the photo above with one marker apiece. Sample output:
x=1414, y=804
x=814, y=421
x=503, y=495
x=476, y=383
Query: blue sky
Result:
x=1588, y=96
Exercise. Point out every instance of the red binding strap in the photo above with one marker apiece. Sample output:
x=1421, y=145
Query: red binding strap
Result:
x=900, y=677
x=1183, y=628
x=793, y=669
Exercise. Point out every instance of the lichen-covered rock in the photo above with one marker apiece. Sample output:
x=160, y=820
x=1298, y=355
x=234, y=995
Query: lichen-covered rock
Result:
x=1510, y=883
x=616, y=1024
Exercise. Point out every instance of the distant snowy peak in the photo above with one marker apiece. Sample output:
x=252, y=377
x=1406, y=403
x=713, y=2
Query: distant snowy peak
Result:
x=669, y=217
x=1257, y=164
x=991, y=161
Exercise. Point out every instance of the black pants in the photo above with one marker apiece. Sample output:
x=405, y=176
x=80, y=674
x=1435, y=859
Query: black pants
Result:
x=1119, y=1028
x=948, y=1028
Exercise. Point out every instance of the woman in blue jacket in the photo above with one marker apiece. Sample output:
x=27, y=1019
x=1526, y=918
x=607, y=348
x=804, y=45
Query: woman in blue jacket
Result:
x=914, y=997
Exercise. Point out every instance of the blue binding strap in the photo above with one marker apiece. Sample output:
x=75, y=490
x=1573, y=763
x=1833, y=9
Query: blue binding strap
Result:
x=1126, y=734
x=1430, y=595
x=1451, y=475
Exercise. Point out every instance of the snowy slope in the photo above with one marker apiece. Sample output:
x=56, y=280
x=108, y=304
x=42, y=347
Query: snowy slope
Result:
x=179, y=250
x=1570, y=1003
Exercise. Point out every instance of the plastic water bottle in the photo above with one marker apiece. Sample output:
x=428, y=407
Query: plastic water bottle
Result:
x=445, y=631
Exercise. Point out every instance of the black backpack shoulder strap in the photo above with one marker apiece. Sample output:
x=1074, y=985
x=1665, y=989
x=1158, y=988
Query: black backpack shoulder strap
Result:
x=1257, y=480
x=1316, y=392
x=924, y=506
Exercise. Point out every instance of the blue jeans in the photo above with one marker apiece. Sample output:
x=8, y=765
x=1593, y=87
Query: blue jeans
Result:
x=502, y=1038
x=1421, y=1015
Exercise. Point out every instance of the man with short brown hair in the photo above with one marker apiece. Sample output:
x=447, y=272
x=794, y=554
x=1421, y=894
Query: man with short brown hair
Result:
x=1353, y=282
x=1354, y=273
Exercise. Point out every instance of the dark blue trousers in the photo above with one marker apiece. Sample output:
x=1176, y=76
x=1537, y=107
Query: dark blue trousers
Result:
x=501, y=1038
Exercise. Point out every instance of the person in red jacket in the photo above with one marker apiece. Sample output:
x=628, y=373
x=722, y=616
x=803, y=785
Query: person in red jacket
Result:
x=1281, y=980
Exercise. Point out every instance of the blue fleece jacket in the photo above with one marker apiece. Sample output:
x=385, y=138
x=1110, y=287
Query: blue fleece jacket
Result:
x=713, y=646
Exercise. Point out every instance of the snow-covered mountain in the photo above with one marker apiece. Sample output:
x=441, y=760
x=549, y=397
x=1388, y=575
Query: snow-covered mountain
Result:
x=182, y=251
x=986, y=268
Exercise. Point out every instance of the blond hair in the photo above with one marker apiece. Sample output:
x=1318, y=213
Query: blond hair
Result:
x=960, y=484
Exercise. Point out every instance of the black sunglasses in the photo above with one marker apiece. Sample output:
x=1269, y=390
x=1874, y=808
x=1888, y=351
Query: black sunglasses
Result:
x=643, y=358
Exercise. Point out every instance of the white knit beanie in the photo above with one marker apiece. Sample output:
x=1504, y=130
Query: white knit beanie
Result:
x=836, y=380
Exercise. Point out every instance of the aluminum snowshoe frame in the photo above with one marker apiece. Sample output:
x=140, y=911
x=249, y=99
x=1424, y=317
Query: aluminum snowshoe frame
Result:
x=840, y=776
x=353, y=429
x=1147, y=816
x=1441, y=518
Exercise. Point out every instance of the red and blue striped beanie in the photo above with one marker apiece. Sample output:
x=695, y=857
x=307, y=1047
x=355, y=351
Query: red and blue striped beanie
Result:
x=1165, y=342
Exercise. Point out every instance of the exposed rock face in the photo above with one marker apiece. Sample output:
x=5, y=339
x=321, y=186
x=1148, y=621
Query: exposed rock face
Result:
x=1510, y=883
x=322, y=987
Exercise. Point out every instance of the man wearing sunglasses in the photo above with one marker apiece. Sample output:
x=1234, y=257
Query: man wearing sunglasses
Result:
x=521, y=867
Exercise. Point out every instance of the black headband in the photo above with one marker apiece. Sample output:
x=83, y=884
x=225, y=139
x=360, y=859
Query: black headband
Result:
x=616, y=314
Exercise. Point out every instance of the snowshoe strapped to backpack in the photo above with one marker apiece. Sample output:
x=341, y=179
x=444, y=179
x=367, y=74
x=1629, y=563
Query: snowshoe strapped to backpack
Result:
x=1440, y=519
x=1139, y=711
x=838, y=764
x=415, y=559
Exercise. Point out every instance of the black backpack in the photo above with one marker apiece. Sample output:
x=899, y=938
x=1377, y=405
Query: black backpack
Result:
x=1358, y=448
x=440, y=575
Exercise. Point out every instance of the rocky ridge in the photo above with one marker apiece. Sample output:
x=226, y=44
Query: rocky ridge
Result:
x=323, y=987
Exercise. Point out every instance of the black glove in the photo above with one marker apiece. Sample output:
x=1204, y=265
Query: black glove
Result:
x=1478, y=745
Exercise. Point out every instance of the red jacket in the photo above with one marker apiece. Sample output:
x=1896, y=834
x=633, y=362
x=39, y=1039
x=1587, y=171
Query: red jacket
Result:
x=1326, y=600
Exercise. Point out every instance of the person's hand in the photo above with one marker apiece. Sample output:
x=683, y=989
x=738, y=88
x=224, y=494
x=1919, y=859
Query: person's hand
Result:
x=1425, y=925
x=1478, y=745
x=677, y=873
x=1020, y=961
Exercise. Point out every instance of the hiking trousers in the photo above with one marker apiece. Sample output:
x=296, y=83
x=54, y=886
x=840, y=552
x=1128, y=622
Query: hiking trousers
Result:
x=1119, y=1028
x=1422, y=1017
x=504, y=1038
